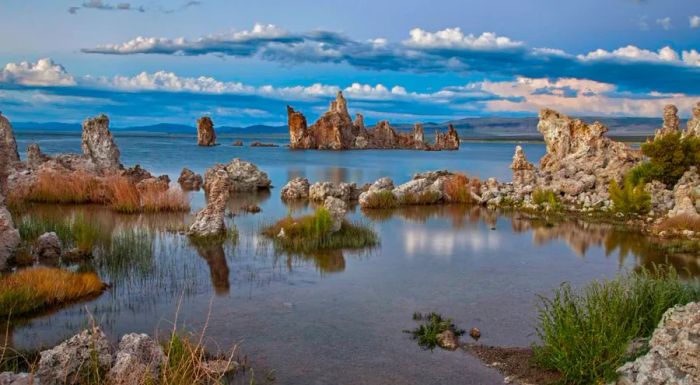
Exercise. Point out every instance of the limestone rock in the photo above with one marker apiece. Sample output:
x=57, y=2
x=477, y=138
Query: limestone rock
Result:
x=674, y=355
x=319, y=191
x=209, y=222
x=523, y=171
x=9, y=157
x=243, y=176
x=48, y=247
x=381, y=184
x=671, y=121
x=337, y=208
x=9, y=378
x=139, y=357
x=335, y=130
x=9, y=236
x=205, y=132
x=98, y=144
x=686, y=194
x=190, y=181
x=64, y=363
x=661, y=198
x=295, y=189
x=448, y=340
x=694, y=122
x=35, y=158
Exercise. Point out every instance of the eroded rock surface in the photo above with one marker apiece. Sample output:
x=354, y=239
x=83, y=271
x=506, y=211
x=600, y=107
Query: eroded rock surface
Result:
x=206, y=136
x=190, y=181
x=139, y=357
x=9, y=156
x=694, y=122
x=65, y=363
x=319, y=191
x=335, y=130
x=296, y=189
x=9, y=236
x=337, y=208
x=674, y=354
x=209, y=222
x=243, y=176
x=48, y=247
x=686, y=194
x=671, y=122
x=98, y=144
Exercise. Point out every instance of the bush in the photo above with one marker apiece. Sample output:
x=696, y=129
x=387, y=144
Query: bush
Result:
x=427, y=333
x=313, y=233
x=459, y=188
x=629, y=198
x=544, y=197
x=585, y=334
x=381, y=200
x=670, y=156
x=38, y=288
x=420, y=199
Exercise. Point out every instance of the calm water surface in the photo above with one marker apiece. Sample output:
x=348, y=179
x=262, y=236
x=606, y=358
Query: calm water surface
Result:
x=338, y=317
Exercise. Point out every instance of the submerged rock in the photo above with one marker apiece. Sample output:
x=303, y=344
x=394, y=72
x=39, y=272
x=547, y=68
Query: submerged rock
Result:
x=139, y=357
x=48, y=247
x=295, y=189
x=335, y=130
x=190, y=181
x=674, y=354
x=243, y=176
x=209, y=222
x=206, y=136
x=9, y=236
x=337, y=208
x=65, y=363
x=98, y=144
x=448, y=340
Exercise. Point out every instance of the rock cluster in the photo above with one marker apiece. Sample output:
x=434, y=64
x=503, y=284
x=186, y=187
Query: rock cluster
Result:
x=189, y=181
x=674, y=354
x=209, y=222
x=348, y=192
x=243, y=176
x=65, y=363
x=9, y=236
x=295, y=189
x=335, y=130
x=424, y=188
x=206, y=136
x=686, y=195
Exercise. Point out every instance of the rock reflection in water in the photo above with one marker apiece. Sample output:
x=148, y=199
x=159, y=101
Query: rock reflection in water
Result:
x=215, y=257
x=240, y=201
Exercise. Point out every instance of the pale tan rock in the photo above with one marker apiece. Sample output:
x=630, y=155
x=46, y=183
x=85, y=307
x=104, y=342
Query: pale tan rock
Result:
x=448, y=340
x=671, y=122
x=209, y=222
x=9, y=236
x=295, y=189
x=337, y=208
x=694, y=122
x=65, y=363
x=243, y=176
x=99, y=146
x=189, y=181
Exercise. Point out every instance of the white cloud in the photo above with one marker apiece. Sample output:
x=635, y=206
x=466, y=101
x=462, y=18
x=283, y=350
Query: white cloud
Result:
x=665, y=23
x=455, y=38
x=695, y=21
x=633, y=53
x=42, y=73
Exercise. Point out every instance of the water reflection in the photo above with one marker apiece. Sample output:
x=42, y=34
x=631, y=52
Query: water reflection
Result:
x=215, y=257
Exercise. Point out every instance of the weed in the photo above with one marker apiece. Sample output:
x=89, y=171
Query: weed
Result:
x=427, y=333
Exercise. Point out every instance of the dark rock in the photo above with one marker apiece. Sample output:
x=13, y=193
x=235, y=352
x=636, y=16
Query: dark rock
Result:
x=206, y=136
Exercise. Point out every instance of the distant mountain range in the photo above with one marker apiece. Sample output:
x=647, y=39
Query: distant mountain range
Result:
x=468, y=128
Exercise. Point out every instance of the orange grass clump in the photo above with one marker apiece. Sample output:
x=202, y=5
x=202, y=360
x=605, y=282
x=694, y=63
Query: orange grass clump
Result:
x=458, y=188
x=680, y=223
x=56, y=187
x=154, y=199
x=38, y=288
x=124, y=197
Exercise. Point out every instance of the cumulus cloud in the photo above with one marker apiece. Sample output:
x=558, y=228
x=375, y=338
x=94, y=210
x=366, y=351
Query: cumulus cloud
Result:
x=448, y=50
x=42, y=73
x=665, y=23
x=695, y=21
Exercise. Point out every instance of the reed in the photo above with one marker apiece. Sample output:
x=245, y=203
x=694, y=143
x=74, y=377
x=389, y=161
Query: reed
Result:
x=680, y=223
x=459, y=188
x=56, y=187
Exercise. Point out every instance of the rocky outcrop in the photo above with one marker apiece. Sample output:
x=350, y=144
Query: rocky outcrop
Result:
x=98, y=145
x=295, y=189
x=671, y=122
x=9, y=378
x=337, y=209
x=335, y=130
x=380, y=185
x=523, y=172
x=189, y=181
x=424, y=188
x=243, y=176
x=9, y=156
x=9, y=236
x=674, y=354
x=67, y=362
x=694, y=122
x=686, y=195
x=139, y=357
x=48, y=247
x=35, y=158
x=661, y=198
x=209, y=222
x=206, y=136
x=348, y=192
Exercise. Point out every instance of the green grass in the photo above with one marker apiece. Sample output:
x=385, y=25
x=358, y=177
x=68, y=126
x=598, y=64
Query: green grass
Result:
x=546, y=198
x=585, y=334
x=630, y=198
x=73, y=232
x=382, y=200
x=313, y=232
x=423, y=198
x=433, y=324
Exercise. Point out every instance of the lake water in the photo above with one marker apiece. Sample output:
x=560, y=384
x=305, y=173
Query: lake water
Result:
x=338, y=318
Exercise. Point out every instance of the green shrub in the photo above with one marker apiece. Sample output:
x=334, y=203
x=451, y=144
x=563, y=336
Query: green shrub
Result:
x=384, y=199
x=629, y=198
x=670, y=156
x=427, y=333
x=544, y=197
x=419, y=199
x=585, y=334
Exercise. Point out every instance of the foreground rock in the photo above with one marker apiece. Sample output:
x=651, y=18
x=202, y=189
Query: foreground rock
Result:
x=336, y=130
x=295, y=189
x=48, y=247
x=206, y=136
x=209, y=222
x=190, y=181
x=348, y=192
x=139, y=357
x=243, y=176
x=67, y=362
x=9, y=157
x=674, y=355
x=9, y=236
x=337, y=209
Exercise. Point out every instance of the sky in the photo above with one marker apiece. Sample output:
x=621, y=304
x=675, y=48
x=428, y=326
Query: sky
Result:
x=242, y=62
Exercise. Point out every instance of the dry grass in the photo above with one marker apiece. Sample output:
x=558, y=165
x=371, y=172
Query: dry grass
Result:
x=124, y=197
x=155, y=200
x=127, y=197
x=459, y=188
x=38, y=288
x=381, y=200
x=680, y=223
x=56, y=187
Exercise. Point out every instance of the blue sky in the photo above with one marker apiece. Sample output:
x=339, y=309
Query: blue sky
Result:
x=242, y=62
